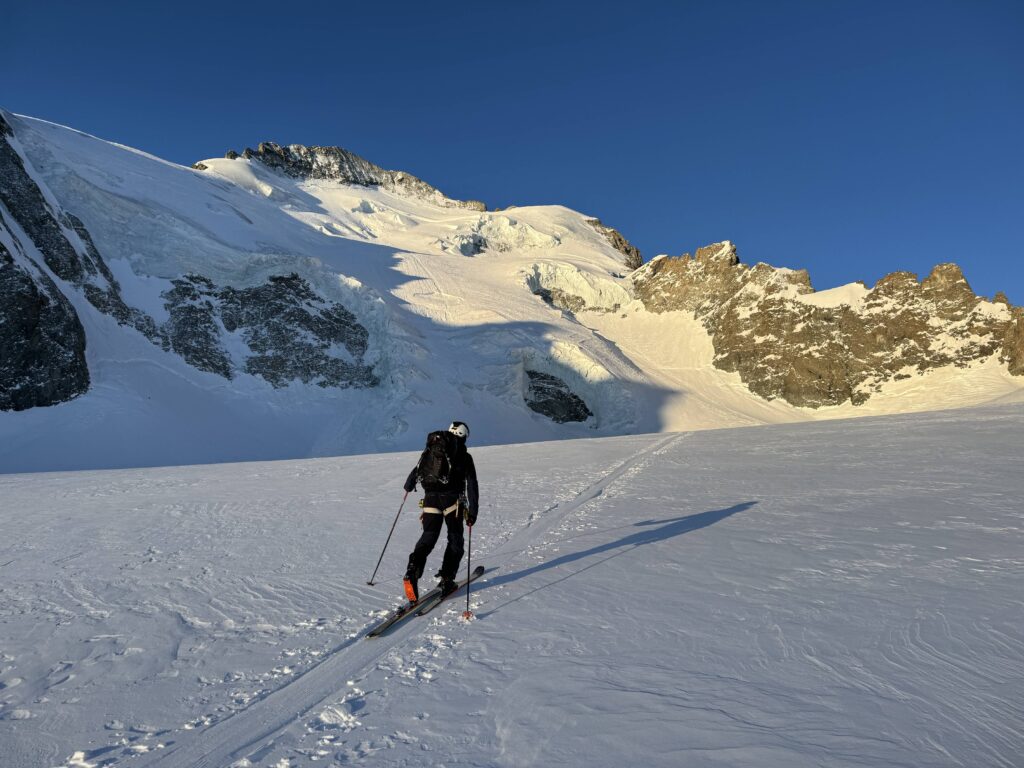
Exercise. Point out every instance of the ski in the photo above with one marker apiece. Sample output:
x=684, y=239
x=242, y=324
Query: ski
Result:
x=406, y=610
x=431, y=601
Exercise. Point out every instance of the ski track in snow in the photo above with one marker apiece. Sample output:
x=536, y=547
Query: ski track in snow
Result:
x=841, y=594
x=251, y=731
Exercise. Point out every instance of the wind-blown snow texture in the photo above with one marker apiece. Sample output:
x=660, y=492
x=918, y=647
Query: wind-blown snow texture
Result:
x=844, y=593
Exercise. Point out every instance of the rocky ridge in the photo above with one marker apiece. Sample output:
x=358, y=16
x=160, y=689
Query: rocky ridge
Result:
x=337, y=164
x=785, y=341
x=634, y=260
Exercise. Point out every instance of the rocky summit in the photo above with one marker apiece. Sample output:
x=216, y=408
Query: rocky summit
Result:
x=811, y=350
x=337, y=164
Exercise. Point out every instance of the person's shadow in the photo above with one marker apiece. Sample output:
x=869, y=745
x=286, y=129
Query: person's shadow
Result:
x=666, y=529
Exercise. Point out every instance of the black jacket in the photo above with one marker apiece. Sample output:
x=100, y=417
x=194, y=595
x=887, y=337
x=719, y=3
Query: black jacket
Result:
x=462, y=481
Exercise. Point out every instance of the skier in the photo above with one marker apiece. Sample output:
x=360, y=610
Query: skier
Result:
x=446, y=499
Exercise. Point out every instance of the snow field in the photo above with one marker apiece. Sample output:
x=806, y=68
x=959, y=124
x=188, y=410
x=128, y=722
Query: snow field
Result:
x=840, y=593
x=449, y=333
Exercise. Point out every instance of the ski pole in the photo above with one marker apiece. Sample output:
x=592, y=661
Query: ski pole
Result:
x=468, y=614
x=370, y=582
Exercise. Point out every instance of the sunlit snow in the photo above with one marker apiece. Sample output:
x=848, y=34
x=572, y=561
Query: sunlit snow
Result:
x=843, y=593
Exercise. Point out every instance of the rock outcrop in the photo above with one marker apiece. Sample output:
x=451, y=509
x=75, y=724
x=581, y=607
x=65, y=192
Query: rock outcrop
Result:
x=785, y=341
x=550, y=396
x=1013, y=343
x=633, y=258
x=283, y=330
x=61, y=238
x=291, y=333
x=42, y=341
x=337, y=164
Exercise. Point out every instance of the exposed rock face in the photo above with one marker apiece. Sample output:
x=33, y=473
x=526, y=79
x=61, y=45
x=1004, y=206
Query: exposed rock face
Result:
x=551, y=397
x=42, y=341
x=293, y=333
x=787, y=342
x=337, y=164
x=62, y=239
x=194, y=330
x=633, y=258
x=24, y=200
x=296, y=335
x=1013, y=343
x=285, y=331
x=556, y=297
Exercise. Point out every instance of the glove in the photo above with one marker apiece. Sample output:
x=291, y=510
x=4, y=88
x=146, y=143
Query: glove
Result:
x=470, y=517
x=410, y=487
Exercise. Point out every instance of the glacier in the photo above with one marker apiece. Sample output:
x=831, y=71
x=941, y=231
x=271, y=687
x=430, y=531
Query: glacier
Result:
x=264, y=315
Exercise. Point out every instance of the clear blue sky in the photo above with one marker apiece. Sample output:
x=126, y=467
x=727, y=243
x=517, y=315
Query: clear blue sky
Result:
x=851, y=138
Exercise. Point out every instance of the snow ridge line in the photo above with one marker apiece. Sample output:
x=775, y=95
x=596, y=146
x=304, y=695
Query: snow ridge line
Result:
x=255, y=727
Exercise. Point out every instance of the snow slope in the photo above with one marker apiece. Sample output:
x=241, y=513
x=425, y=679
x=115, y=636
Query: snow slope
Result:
x=843, y=593
x=450, y=335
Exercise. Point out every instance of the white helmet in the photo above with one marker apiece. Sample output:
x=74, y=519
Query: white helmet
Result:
x=459, y=429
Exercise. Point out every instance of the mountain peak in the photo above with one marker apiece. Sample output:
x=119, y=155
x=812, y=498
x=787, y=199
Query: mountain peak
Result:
x=341, y=165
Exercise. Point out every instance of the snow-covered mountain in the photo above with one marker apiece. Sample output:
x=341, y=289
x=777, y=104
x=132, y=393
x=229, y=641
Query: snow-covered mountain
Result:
x=843, y=594
x=301, y=301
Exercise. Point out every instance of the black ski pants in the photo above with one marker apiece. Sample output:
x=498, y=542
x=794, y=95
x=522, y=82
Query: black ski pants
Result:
x=432, y=523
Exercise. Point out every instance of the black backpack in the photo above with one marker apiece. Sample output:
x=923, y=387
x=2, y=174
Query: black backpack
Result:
x=434, y=471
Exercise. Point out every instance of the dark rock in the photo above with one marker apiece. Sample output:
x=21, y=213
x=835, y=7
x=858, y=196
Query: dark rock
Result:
x=93, y=262
x=200, y=167
x=193, y=330
x=550, y=396
x=26, y=203
x=293, y=333
x=337, y=164
x=51, y=232
x=1013, y=343
x=105, y=294
x=231, y=155
x=42, y=341
x=633, y=258
x=561, y=299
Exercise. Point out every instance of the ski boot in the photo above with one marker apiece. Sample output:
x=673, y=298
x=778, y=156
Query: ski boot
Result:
x=412, y=591
x=447, y=586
